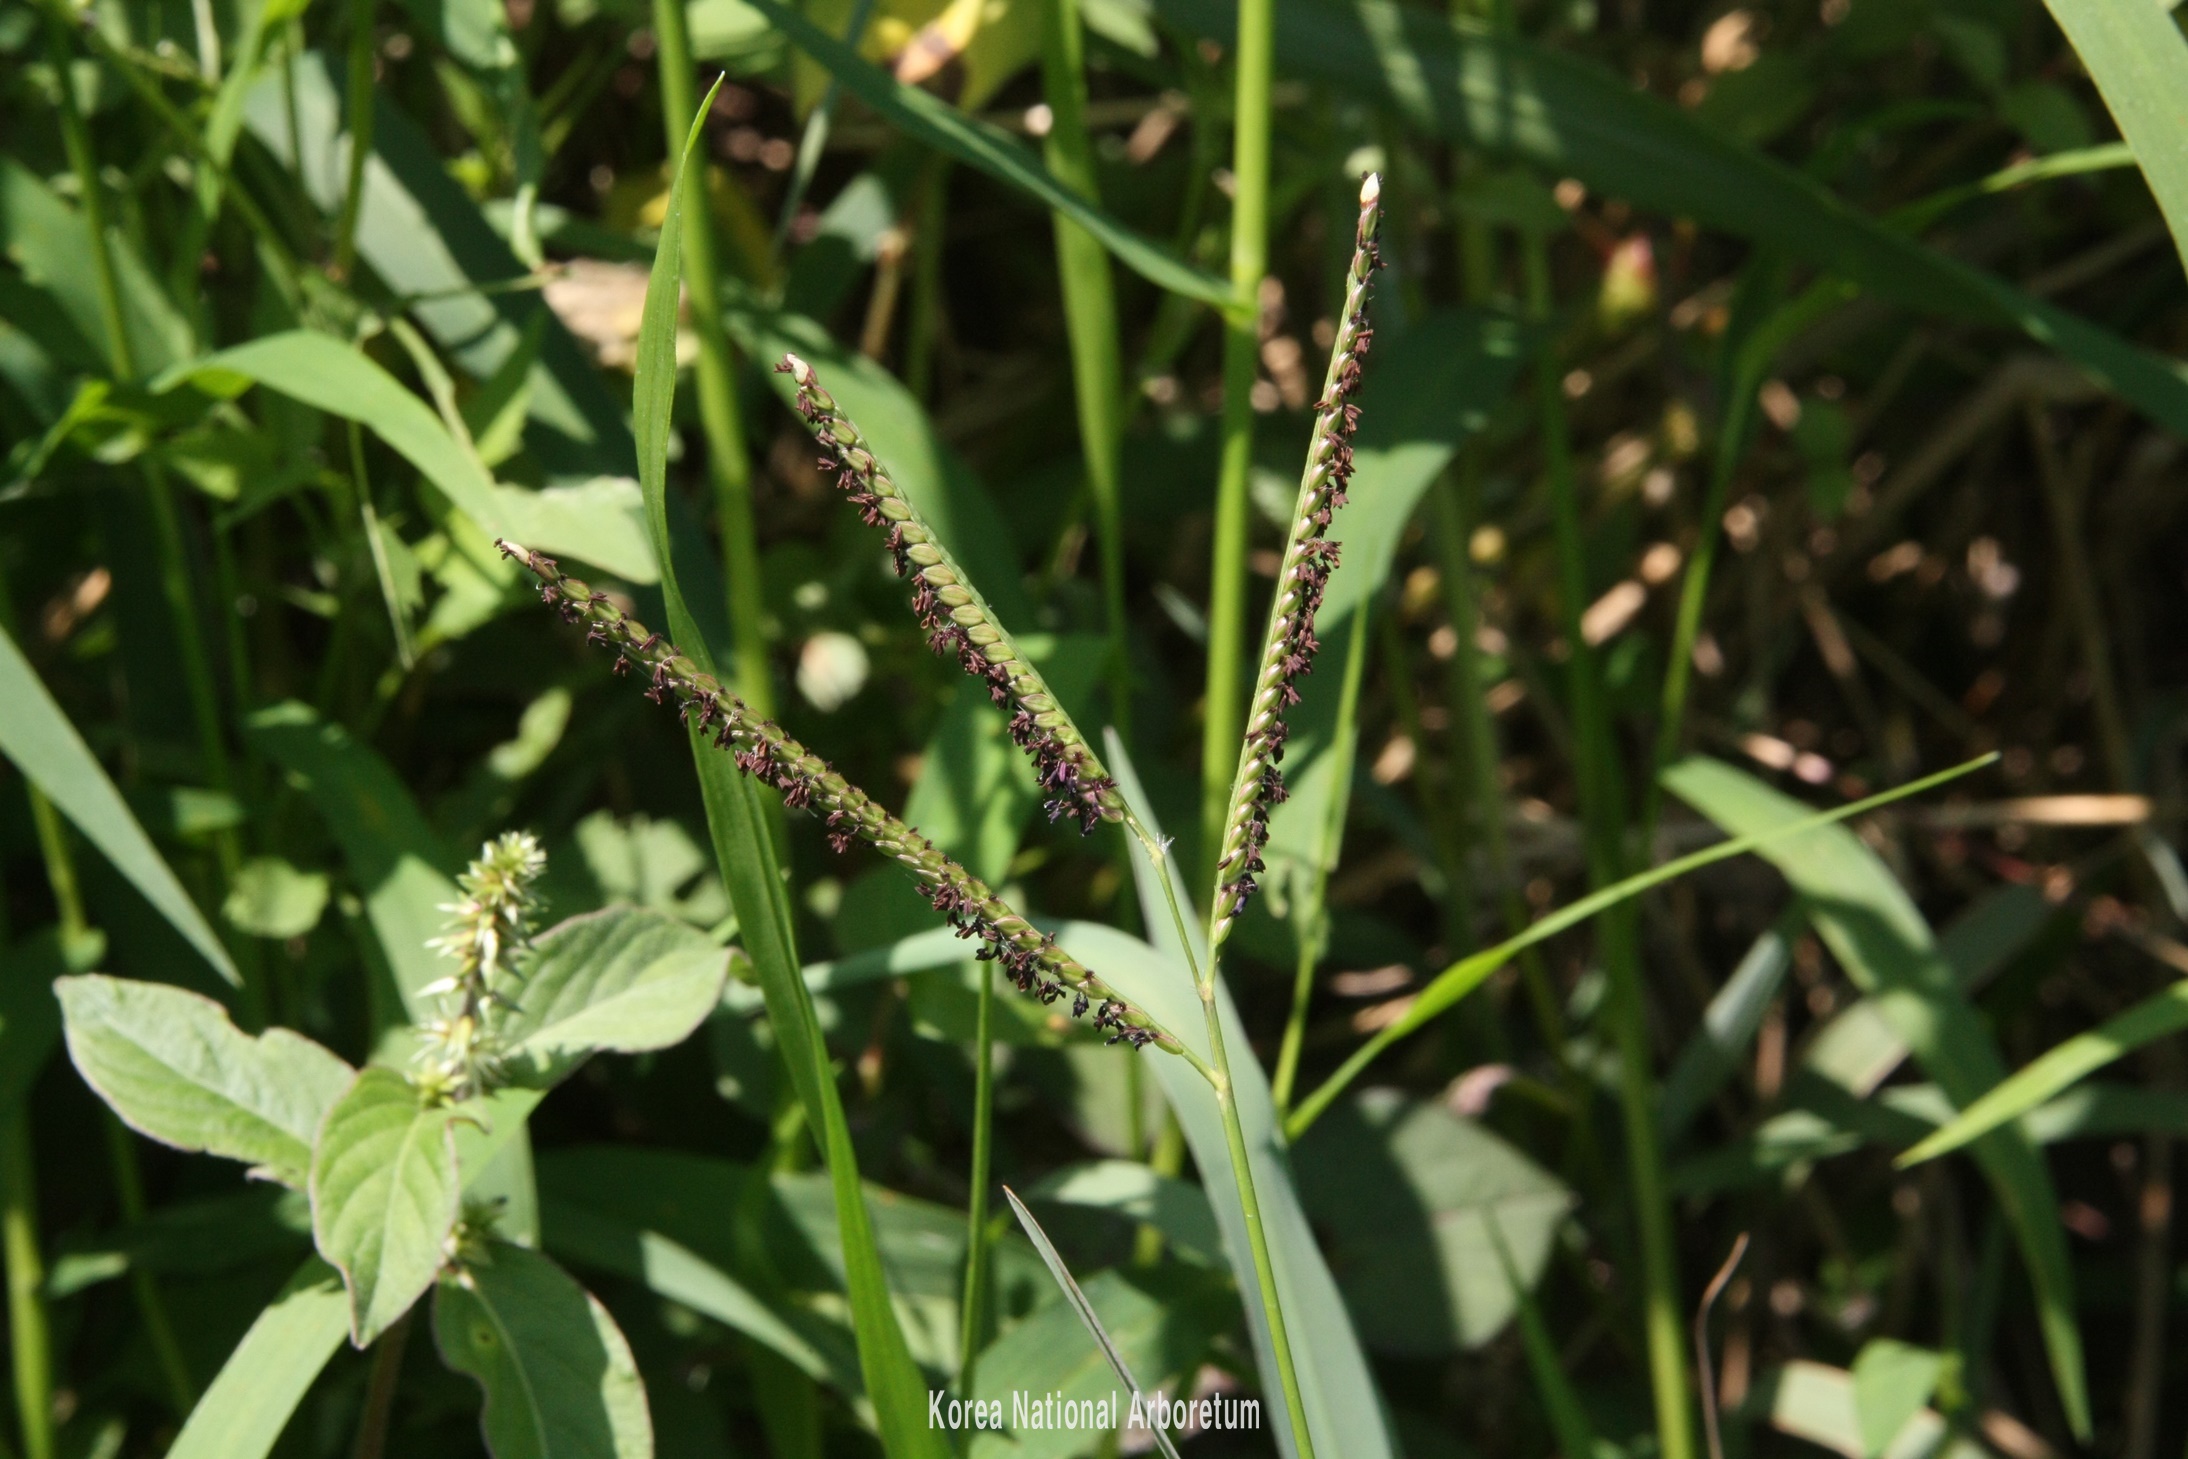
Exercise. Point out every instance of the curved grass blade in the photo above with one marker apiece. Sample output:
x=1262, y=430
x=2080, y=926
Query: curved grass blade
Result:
x=948, y=130
x=38, y=737
x=1469, y=973
x=2139, y=60
x=1056, y=1268
x=2058, y=1069
x=242, y=1415
x=1882, y=942
x=744, y=843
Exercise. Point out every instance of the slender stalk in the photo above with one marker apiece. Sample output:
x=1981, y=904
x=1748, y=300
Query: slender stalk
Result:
x=923, y=324
x=1602, y=798
x=387, y=1370
x=159, y=1328
x=1090, y=319
x=30, y=1340
x=728, y=462
x=359, y=106
x=974, y=1321
x=1223, y=715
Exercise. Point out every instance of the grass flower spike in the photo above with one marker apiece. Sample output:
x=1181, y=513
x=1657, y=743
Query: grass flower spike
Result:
x=807, y=782
x=458, y=1057
x=958, y=620
x=1310, y=555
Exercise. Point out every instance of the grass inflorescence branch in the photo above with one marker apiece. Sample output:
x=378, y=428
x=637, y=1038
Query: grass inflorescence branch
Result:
x=958, y=621
x=764, y=751
x=1310, y=555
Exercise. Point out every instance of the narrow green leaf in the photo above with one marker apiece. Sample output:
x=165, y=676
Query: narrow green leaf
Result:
x=1084, y=1309
x=175, y=1069
x=243, y=1413
x=2139, y=60
x=403, y=869
x=2058, y=1069
x=1511, y=97
x=624, y=980
x=559, y=1378
x=591, y=524
x=383, y=1197
x=1344, y=1410
x=941, y=126
x=1879, y=937
x=744, y=845
x=37, y=736
x=48, y=239
x=1731, y=1019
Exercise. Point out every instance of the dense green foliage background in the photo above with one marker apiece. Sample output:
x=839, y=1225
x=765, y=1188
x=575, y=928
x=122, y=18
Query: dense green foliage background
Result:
x=1854, y=327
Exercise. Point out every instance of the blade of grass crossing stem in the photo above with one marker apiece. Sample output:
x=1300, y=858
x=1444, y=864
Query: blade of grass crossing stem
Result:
x=2139, y=60
x=1470, y=972
x=1879, y=937
x=1090, y=319
x=941, y=126
x=37, y=736
x=1560, y=1404
x=1603, y=810
x=2058, y=1070
x=1223, y=712
x=737, y=821
x=1056, y=1268
x=728, y=464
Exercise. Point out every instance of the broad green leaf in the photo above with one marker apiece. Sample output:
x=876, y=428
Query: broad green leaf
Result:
x=1811, y=1401
x=594, y=523
x=2058, y=1069
x=1507, y=96
x=1892, y=1382
x=174, y=1068
x=243, y=1413
x=1344, y=1410
x=38, y=737
x=1406, y=1191
x=941, y=126
x=427, y=240
x=406, y=874
x=271, y=898
x=1040, y=1340
x=560, y=1381
x=1879, y=937
x=46, y=237
x=744, y=845
x=624, y=980
x=1176, y=1208
x=383, y=1197
x=2139, y=60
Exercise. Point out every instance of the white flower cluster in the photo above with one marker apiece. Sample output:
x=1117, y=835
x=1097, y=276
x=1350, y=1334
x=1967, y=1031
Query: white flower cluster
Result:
x=458, y=1057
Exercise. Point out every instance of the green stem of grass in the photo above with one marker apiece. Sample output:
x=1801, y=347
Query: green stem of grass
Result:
x=973, y=1324
x=923, y=322
x=30, y=1339
x=1602, y=798
x=728, y=463
x=359, y=107
x=1090, y=318
x=1223, y=713
x=159, y=1327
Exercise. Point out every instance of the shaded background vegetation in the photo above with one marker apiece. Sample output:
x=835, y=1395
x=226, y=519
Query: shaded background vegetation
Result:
x=1759, y=313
